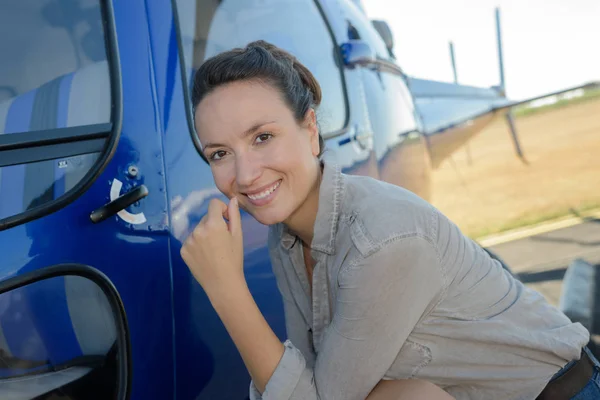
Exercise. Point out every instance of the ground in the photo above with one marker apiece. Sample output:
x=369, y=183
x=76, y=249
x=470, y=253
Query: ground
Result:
x=485, y=188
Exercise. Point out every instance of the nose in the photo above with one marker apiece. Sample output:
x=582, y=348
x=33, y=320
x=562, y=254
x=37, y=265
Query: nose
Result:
x=248, y=170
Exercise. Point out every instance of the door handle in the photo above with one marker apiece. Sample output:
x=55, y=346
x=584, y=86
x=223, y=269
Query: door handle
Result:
x=364, y=140
x=363, y=136
x=357, y=137
x=120, y=203
x=358, y=53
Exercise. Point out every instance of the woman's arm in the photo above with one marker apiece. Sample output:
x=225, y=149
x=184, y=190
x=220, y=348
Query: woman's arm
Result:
x=258, y=345
x=214, y=254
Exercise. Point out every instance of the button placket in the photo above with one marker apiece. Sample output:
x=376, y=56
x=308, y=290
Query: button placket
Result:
x=320, y=301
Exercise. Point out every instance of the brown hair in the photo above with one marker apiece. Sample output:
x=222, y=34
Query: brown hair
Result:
x=268, y=63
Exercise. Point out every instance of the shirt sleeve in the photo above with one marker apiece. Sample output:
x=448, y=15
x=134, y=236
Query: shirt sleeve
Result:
x=380, y=300
x=297, y=355
x=298, y=348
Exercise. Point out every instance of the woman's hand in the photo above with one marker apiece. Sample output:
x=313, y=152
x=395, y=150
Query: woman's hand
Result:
x=214, y=251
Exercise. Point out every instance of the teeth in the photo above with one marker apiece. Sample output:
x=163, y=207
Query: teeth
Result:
x=264, y=193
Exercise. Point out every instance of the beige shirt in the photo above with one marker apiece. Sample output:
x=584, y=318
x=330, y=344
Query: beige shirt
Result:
x=398, y=292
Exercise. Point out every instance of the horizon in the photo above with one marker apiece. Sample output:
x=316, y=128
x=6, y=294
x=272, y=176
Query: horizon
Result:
x=543, y=51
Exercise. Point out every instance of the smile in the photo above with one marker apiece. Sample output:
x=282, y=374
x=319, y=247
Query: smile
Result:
x=264, y=193
x=264, y=196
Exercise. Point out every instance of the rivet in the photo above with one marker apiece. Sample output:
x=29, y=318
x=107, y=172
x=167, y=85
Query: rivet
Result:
x=132, y=171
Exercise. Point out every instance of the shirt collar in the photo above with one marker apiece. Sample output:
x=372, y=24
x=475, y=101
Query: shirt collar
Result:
x=326, y=223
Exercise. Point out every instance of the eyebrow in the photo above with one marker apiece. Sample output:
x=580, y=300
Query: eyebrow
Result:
x=246, y=133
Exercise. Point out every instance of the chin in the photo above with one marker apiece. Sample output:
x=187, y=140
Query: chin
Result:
x=269, y=217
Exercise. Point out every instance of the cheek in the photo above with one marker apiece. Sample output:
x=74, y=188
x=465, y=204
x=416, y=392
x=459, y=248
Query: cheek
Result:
x=295, y=150
x=297, y=162
x=289, y=163
x=224, y=179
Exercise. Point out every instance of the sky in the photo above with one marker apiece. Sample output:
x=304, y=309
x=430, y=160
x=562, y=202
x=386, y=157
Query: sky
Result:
x=548, y=45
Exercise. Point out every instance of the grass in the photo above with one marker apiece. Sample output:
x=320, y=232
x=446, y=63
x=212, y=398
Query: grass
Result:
x=532, y=219
x=486, y=189
x=525, y=110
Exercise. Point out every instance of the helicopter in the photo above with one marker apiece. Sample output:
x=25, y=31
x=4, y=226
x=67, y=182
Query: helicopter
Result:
x=101, y=178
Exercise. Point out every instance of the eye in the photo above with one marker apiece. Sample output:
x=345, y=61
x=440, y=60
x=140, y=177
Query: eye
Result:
x=263, y=137
x=217, y=155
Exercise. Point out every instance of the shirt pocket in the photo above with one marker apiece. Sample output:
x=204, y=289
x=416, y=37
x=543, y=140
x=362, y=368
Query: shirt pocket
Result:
x=411, y=359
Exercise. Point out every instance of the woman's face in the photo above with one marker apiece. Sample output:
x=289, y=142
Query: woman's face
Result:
x=256, y=149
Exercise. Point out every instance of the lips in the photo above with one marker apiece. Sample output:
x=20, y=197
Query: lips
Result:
x=264, y=195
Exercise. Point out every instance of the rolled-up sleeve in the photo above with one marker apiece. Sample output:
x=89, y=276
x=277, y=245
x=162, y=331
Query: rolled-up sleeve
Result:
x=291, y=372
x=380, y=299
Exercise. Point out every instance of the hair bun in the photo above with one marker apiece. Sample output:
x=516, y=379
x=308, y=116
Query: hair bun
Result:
x=307, y=78
x=309, y=81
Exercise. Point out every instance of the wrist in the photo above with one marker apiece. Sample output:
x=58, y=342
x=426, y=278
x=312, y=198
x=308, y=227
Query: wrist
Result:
x=227, y=291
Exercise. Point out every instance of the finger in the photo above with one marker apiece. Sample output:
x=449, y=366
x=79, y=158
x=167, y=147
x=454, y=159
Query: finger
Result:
x=234, y=217
x=216, y=211
x=202, y=221
x=199, y=229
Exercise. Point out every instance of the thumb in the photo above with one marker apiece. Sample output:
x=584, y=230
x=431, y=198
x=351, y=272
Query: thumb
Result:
x=234, y=217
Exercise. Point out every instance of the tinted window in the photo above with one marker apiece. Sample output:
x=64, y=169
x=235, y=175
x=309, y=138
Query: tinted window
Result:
x=54, y=85
x=54, y=72
x=58, y=340
x=33, y=184
x=209, y=27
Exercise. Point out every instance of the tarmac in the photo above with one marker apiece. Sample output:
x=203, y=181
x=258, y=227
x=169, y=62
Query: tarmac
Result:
x=540, y=255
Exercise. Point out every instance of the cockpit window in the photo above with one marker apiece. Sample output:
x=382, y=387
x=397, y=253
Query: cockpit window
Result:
x=208, y=27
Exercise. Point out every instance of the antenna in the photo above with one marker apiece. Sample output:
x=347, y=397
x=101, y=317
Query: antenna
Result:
x=453, y=60
x=500, y=57
x=510, y=119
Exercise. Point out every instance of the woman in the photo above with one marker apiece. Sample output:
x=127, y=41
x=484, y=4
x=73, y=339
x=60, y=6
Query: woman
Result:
x=383, y=295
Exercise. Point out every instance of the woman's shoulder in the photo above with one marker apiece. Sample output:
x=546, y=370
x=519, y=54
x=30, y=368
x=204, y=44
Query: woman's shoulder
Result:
x=383, y=213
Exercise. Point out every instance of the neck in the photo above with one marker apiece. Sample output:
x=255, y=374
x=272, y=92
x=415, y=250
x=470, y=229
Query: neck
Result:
x=302, y=221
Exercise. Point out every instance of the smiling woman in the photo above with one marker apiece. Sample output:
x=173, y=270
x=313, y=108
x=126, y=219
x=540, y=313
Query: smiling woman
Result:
x=244, y=114
x=384, y=297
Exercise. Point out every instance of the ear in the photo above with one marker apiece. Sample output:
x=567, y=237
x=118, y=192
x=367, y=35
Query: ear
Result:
x=310, y=122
